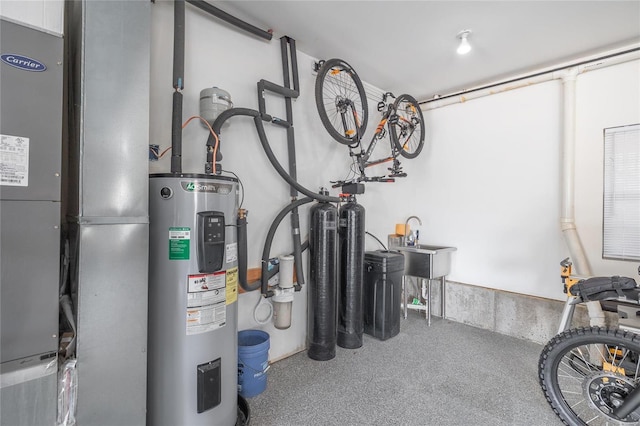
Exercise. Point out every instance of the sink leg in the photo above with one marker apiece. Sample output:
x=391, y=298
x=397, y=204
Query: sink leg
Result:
x=428, y=302
x=442, y=295
x=404, y=296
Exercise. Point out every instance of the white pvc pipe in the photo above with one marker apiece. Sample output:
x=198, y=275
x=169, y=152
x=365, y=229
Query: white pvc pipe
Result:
x=539, y=77
x=567, y=221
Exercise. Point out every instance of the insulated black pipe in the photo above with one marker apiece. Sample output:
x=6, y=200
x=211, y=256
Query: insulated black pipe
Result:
x=228, y=113
x=217, y=125
x=276, y=88
x=178, y=85
x=178, y=44
x=294, y=64
x=297, y=246
x=274, y=162
x=242, y=253
x=284, y=53
x=176, y=133
x=269, y=240
x=285, y=43
x=203, y=5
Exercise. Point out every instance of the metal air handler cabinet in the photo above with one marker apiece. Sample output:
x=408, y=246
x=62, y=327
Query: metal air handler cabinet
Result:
x=193, y=293
x=382, y=293
x=30, y=202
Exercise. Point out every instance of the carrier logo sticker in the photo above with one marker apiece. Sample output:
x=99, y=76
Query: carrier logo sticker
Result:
x=195, y=186
x=23, y=62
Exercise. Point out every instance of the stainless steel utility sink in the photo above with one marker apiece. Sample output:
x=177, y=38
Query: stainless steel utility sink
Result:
x=427, y=261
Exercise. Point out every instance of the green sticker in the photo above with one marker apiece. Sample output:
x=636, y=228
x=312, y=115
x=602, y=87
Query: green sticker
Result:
x=179, y=241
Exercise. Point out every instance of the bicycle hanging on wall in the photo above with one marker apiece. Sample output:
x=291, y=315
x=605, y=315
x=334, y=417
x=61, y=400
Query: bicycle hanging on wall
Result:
x=343, y=108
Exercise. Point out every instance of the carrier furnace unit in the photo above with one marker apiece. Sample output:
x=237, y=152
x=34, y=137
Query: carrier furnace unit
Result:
x=193, y=291
x=30, y=169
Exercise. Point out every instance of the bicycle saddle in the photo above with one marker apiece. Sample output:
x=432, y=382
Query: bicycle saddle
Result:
x=604, y=288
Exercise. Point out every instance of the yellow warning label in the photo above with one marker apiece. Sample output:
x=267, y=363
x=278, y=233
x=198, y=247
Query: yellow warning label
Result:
x=232, y=285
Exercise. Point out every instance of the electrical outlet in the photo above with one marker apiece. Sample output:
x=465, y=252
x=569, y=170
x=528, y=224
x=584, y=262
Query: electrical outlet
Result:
x=154, y=152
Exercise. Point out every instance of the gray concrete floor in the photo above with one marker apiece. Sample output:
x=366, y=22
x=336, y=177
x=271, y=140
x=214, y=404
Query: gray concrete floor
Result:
x=448, y=374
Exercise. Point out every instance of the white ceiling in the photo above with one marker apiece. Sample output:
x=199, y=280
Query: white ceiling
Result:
x=409, y=46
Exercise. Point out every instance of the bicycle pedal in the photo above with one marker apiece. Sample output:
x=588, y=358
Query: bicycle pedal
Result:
x=398, y=174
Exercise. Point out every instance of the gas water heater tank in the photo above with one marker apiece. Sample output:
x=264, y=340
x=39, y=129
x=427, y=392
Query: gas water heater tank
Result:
x=193, y=291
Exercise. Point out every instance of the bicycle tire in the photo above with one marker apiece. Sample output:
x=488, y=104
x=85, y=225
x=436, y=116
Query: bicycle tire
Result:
x=580, y=383
x=338, y=87
x=408, y=132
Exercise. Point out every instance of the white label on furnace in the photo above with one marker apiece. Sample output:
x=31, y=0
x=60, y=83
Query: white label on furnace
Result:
x=14, y=161
x=232, y=252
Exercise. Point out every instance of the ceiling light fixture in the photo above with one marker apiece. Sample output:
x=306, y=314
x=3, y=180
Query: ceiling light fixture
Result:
x=464, y=46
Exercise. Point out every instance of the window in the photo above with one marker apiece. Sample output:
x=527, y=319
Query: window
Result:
x=621, y=215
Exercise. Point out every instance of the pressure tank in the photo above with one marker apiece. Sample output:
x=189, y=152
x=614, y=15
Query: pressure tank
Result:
x=213, y=101
x=193, y=314
x=322, y=288
x=351, y=233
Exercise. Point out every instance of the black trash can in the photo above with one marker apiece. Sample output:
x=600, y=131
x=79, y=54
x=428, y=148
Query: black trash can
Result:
x=382, y=293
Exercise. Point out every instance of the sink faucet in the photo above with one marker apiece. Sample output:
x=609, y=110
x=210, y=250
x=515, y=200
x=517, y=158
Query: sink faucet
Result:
x=407, y=223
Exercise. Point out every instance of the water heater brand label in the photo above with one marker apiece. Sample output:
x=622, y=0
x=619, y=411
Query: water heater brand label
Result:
x=14, y=161
x=179, y=241
x=195, y=186
x=22, y=62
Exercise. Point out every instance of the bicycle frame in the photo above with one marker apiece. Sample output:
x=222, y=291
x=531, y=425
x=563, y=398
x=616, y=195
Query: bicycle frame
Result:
x=362, y=157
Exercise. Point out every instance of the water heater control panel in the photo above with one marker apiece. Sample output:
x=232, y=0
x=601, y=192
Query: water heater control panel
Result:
x=210, y=241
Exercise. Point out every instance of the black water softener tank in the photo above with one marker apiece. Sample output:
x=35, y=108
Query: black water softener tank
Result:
x=382, y=293
x=322, y=289
x=351, y=231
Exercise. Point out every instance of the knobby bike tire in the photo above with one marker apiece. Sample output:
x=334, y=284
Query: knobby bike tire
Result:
x=336, y=83
x=407, y=134
x=580, y=383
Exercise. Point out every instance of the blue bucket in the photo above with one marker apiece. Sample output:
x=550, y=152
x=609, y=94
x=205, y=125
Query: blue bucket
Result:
x=253, y=362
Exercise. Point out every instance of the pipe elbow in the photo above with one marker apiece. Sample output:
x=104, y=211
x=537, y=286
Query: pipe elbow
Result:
x=227, y=114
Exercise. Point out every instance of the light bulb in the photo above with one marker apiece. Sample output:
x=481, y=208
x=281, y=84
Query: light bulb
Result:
x=464, y=46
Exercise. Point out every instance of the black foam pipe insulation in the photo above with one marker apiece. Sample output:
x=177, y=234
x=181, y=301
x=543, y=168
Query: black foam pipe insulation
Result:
x=212, y=10
x=178, y=85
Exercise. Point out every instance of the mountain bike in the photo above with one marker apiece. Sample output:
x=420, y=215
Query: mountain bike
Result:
x=591, y=375
x=343, y=109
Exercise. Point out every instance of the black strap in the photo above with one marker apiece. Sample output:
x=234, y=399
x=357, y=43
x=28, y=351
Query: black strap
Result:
x=616, y=284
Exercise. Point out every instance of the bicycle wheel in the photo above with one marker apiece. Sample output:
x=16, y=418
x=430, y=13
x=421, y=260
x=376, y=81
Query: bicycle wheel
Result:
x=341, y=101
x=407, y=133
x=586, y=373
